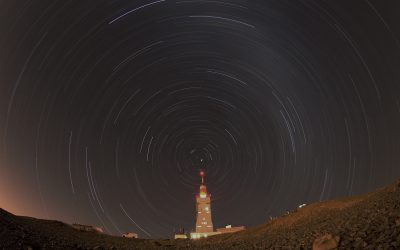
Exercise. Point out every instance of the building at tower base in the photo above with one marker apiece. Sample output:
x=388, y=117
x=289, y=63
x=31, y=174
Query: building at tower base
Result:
x=230, y=229
x=195, y=235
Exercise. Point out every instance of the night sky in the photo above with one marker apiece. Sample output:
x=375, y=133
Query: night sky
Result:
x=109, y=109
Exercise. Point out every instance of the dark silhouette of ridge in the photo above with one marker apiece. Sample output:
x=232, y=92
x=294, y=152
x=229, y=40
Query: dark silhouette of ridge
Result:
x=370, y=221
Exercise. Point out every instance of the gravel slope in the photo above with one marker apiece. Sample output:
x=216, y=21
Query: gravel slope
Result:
x=370, y=221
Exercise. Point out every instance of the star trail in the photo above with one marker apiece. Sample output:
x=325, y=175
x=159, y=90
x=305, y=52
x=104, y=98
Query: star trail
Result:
x=108, y=110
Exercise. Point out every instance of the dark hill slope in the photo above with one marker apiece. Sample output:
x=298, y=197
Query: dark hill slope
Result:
x=370, y=221
x=19, y=232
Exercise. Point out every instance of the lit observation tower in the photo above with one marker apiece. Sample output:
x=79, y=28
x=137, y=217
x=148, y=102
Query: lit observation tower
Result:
x=204, y=225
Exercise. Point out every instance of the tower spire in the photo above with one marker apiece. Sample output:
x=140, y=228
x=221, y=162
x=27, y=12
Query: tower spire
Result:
x=202, y=177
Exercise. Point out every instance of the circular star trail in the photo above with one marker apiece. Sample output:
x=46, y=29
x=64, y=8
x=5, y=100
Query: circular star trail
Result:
x=109, y=110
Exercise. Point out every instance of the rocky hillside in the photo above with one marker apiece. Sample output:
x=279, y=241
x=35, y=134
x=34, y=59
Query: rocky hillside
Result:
x=371, y=221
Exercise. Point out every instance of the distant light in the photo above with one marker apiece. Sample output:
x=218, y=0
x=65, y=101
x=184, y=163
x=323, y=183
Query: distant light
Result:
x=302, y=205
x=228, y=226
x=203, y=195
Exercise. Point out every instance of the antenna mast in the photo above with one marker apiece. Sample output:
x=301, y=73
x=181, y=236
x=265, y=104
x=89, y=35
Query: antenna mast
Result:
x=202, y=177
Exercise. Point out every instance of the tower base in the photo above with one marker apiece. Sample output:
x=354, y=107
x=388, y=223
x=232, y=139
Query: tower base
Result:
x=194, y=236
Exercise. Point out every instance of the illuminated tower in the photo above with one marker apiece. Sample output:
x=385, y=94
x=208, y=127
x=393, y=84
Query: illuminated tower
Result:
x=204, y=225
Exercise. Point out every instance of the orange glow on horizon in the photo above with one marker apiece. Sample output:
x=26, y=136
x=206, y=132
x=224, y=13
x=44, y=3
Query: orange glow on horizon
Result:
x=16, y=196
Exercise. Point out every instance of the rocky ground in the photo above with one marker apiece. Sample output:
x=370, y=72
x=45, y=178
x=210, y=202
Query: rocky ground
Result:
x=371, y=221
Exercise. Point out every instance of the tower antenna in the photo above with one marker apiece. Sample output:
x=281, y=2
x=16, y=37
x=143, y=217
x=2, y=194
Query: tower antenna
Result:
x=202, y=177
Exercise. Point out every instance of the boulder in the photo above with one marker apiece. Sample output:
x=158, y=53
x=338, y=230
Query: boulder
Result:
x=326, y=242
x=398, y=222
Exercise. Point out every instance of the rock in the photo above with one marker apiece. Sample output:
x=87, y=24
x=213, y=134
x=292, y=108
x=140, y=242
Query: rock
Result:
x=326, y=242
